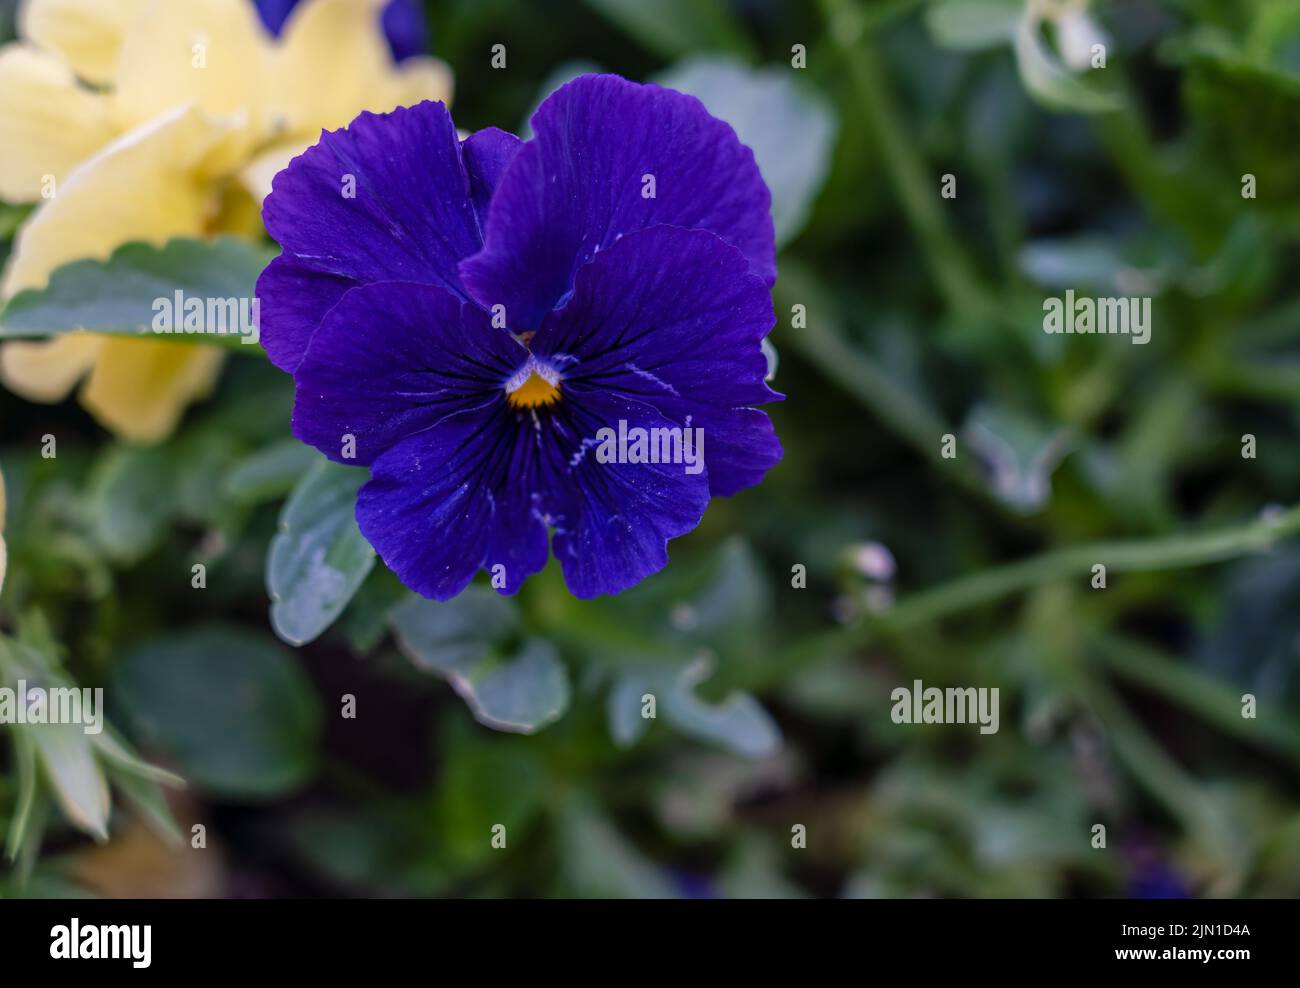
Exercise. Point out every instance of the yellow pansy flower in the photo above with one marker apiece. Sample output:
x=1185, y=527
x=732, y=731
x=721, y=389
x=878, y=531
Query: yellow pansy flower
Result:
x=153, y=119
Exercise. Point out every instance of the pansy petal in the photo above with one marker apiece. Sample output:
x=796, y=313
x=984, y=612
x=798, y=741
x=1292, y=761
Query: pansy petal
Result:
x=611, y=157
x=671, y=317
x=613, y=520
x=274, y=13
x=520, y=541
x=88, y=34
x=293, y=298
x=405, y=28
x=403, y=23
x=50, y=122
x=424, y=509
x=392, y=359
x=487, y=153
x=468, y=493
x=740, y=444
x=385, y=199
x=140, y=388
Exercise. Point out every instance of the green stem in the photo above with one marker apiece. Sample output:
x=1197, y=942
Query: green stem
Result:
x=988, y=586
x=1171, y=552
x=1177, y=791
x=918, y=192
x=1213, y=701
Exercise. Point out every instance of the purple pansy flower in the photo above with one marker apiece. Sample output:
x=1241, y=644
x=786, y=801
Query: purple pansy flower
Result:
x=474, y=320
x=403, y=22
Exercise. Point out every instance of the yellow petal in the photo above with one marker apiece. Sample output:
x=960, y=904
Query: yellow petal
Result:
x=87, y=34
x=210, y=53
x=140, y=187
x=333, y=62
x=139, y=388
x=50, y=122
x=419, y=79
x=415, y=80
x=259, y=172
x=46, y=370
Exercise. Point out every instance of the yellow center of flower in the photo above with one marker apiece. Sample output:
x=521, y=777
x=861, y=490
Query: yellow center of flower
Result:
x=535, y=392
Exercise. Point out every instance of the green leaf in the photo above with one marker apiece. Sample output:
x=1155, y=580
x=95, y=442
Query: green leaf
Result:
x=520, y=690
x=24, y=767
x=150, y=804
x=738, y=723
x=132, y=500
x=66, y=754
x=523, y=692
x=486, y=780
x=719, y=602
x=118, y=295
x=791, y=129
x=600, y=863
x=973, y=24
x=269, y=473
x=675, y=27
x=1019, y=453
x=140, y=782
x=1247, y=116
x=11, y=217
x=319, y=558
x=365, y=622
x=118, y=756
x=233, y=710
x=458, y=633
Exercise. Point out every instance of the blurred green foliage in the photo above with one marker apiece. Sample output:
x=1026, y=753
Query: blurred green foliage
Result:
x=902, y=317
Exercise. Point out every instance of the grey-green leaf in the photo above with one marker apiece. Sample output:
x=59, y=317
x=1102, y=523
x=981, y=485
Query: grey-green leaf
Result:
x=66, y=754
x=455, y=634
x=319, y=557
x=133, y=495
x=674, y=27
x=738, y=723
x=520, y=690
x=522, y=693
x=269, y=472
x=790, y=129
x=234, y=710
x=119, y=295
x=973, y=24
